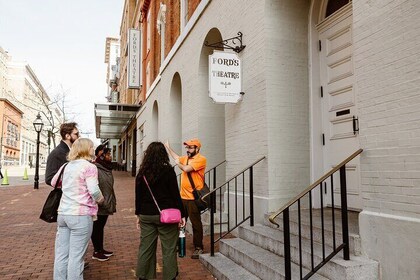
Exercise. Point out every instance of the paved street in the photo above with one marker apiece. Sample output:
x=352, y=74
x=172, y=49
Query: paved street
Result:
x=15, y=175
x=27, y=243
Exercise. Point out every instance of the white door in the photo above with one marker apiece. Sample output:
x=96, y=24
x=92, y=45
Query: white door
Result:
x=339, y=111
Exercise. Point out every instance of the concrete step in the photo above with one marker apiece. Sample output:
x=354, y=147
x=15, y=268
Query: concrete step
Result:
x=337, y=268
x=260, y=262
x=354, y=237
x=224, y=268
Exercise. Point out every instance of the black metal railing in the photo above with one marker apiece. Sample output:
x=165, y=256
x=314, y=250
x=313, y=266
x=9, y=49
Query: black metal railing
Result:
x=217, y=193
x=285, y=210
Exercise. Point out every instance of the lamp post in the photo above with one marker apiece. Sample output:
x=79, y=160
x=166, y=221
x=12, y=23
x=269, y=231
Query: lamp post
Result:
x=38, y=124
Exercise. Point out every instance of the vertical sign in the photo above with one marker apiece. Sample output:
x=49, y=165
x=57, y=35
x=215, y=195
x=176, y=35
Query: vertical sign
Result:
x=134, y=60
x=225, y=77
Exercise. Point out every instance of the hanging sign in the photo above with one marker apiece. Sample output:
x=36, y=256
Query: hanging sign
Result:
x=133, y=69
x=225, y=77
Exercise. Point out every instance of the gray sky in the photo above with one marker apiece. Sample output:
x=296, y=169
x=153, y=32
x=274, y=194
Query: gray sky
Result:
x=64, y=43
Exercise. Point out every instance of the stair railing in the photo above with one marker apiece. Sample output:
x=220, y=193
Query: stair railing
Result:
x=217, y=193
x=344, y=221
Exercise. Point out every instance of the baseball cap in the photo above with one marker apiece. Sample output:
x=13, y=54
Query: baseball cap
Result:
x=193, y=142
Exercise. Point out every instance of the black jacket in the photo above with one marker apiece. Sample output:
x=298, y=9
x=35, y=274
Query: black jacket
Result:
x=55, y=160
x=106, y=184
x=165, y=190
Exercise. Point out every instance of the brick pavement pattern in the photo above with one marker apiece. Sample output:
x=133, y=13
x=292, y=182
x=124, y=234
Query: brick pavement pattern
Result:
x=27, y=243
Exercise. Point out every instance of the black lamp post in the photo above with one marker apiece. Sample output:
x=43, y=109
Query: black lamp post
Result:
x=38, y=124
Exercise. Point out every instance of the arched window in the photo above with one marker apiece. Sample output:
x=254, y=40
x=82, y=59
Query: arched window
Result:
x=334, y=5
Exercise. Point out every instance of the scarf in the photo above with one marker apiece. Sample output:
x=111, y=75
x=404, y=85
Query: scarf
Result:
x=101, y=160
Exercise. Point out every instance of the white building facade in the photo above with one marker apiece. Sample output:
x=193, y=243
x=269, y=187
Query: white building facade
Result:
x=321, y=79
x=28, y=94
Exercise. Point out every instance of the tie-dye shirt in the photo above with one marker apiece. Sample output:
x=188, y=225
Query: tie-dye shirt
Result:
x=80, y=189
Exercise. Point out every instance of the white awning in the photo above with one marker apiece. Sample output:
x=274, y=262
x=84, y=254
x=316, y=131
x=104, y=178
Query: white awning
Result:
x=111, y=119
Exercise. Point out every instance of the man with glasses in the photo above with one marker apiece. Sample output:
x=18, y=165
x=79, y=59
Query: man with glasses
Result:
x=69, y=133
x=193, y=166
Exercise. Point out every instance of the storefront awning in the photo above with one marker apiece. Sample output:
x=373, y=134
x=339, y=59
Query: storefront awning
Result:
x=111, y=119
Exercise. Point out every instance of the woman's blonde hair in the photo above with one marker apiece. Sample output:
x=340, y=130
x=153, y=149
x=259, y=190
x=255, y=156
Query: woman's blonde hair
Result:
x=81, y=149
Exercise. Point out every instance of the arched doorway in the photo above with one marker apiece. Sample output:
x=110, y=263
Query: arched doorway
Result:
x=211, y=115
x=334, y=106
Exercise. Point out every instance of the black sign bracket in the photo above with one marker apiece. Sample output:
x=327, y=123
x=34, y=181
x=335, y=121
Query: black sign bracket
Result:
x=234, y=43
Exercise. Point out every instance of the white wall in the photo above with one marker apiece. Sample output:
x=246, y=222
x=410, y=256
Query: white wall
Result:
x=272, y=119
x=387, y=63
x=286, y=29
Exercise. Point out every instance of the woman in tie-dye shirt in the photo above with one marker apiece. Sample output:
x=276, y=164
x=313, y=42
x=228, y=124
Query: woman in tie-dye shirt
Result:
x=78, y=209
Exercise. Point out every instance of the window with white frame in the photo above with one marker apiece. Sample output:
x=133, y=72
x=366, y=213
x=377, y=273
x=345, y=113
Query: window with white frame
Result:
x=149, y=30
x=148, y=76
x=184, y=13
x=161, y=21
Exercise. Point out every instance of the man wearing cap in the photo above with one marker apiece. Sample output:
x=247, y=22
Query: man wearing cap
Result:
x=193, y=166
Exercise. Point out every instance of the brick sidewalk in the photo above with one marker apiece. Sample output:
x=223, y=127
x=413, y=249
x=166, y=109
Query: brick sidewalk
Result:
x=27, y=243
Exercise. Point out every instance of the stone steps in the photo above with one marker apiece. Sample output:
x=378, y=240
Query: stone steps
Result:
x=354, y=237
x=258, y=251
x=272, y=240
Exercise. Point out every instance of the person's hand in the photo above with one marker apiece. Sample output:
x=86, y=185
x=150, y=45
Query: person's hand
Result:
x=101, y=201
x=138, y=223
x=182, y=222
x=166, y=144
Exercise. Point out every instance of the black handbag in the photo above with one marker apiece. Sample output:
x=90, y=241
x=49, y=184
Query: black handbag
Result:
x=49, y=211
x=204, y=204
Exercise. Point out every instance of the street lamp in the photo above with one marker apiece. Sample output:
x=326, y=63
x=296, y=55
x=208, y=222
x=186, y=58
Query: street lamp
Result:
x=38, y=124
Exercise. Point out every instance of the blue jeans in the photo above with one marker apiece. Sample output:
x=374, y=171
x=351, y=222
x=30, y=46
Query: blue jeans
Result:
x=71, y=242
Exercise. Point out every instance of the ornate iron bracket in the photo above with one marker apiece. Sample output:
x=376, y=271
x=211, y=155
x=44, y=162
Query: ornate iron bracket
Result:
x=225, y=44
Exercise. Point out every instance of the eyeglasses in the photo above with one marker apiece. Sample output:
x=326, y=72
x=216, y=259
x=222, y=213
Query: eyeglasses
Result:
x=190, y=147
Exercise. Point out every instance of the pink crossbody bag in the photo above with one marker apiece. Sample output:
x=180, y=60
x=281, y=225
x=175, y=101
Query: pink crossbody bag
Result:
x=167, y=216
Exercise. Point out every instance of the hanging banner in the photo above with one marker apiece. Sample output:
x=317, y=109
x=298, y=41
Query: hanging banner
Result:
x=133, y=69
x=225, y=77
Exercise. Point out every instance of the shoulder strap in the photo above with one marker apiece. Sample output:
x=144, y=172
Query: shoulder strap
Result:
x=191, y=180
x=147, y=184
x=60, y=177
x=190, y=177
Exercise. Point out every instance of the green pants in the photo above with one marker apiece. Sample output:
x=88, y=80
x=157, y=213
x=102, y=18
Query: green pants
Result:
x=151, y=228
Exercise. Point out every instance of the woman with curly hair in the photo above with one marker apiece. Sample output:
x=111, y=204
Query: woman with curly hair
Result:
x=162, y=181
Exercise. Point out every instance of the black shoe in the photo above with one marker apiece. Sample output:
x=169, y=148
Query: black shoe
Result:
x=107, y=253
x=99, y=256
x=197, y=253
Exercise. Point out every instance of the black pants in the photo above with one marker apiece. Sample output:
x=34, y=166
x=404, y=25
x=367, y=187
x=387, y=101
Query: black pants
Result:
x=98, y=233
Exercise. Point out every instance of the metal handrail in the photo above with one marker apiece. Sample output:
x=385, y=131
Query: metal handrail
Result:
x=285, y=210
x=233, y=177
x=236, y=223
x=312, y=186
